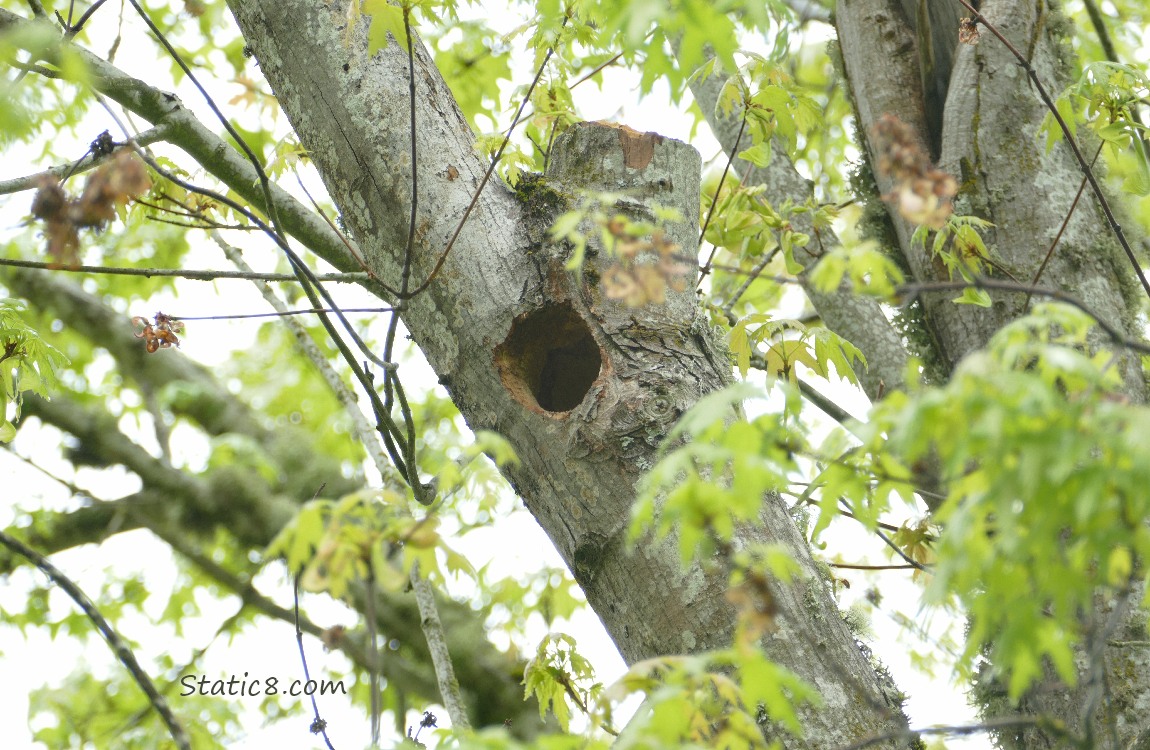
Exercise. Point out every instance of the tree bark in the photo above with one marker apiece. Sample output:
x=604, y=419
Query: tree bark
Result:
x=503, y=306
x=992, y=145
x=859, y=320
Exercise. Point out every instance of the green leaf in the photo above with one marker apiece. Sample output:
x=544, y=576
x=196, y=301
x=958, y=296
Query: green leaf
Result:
x=974, y=296
x=386, y=19
x=759, y=154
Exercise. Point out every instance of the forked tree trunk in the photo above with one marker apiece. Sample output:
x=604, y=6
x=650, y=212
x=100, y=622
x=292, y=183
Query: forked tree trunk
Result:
x=504, y=313
x=992, y=146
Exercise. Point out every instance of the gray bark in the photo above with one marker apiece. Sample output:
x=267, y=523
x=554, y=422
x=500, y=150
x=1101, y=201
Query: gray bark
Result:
x=859, y=320
x=504, y=308
x=992, y=146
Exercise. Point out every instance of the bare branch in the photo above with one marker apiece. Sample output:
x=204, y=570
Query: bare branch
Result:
x=440, y=655
x=83, y=164
x=182, y=273
x=209, y=150
x=908, y=291
x=118, y=645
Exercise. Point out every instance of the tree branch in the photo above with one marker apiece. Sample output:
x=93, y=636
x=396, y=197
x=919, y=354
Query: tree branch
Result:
x=83, y=164
x=189, y=134
x=97, y=522
x=440, y=654
x=118, y=645
x=859, y=320
x=908, y=292
x=181, y=273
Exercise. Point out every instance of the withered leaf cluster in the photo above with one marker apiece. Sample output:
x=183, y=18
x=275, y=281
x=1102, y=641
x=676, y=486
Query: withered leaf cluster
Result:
x=160, y=333
x=755, y=603
x=922, y=193
x=645, y=269
x=110, y=186
x=968, y=32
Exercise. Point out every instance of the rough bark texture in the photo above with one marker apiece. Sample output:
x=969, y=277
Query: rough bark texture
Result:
x=504, y=318
x=991, y=144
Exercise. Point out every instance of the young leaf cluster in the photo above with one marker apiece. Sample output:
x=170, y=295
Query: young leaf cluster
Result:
x=1043, y=461
x=28, y=364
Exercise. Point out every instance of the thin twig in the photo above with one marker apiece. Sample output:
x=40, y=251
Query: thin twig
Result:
x=445, y=674
x=265, y=183
x=898, y=550
x=805, y=499
x=351, y=249
x=1062, y=229
x=409, y=249
x=30, y=67
x=318, y=724
x=83, y=164
x=180, y=273
x=909, y=291
x=833, y=410
x=284, y=314
x=487, y=175
x=1068, y=136
x=118, y=645
x=365, y=434
x=1099, y=24
x=728, y=309
x=373, y=648
x=392, y=387
x=73, y=30
x=715, y=201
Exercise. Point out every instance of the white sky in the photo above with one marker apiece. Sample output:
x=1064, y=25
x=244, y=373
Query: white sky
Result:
x=513, y=545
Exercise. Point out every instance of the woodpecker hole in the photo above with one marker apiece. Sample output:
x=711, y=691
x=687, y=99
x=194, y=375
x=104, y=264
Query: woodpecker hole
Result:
x=549, y=360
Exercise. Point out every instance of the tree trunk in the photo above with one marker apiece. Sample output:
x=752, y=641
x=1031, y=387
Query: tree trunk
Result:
x=503, y=310
x=992, y=146
x=859, y=320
